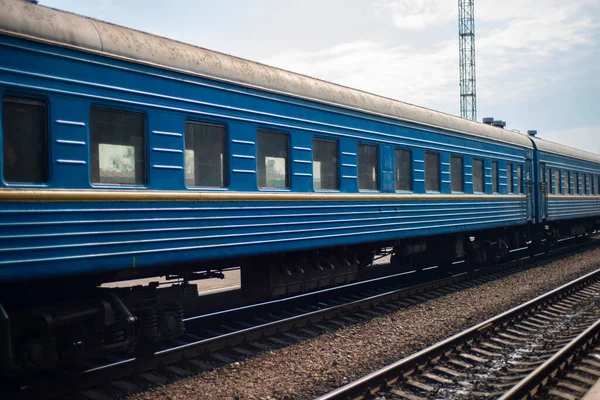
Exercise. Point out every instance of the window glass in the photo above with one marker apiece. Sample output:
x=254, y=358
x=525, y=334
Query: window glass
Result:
x=556, y=181
x=368, y=167
x=403, y=167
x=519, y=179
x=576, y=182
x=478, y=182
x=325, y=165
x=432, y=172
x=457, y=174
x=118, y=147
x=495, y=176
x=205, y=154
x=24, y=140
x=509, y=177
x=548, y=180
x=586, y=184
x=273, y=160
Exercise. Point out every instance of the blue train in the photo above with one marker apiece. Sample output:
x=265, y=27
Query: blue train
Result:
x=128, y=155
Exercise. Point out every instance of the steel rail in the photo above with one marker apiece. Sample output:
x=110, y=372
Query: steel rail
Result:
x=384, y=377
x=127, y=367
x=543, y=375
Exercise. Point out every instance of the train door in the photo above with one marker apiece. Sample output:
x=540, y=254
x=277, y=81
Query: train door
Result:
x=528, y=190
x=543, y=190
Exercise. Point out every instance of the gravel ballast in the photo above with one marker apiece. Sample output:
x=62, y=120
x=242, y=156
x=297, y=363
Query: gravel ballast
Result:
x=315, y=366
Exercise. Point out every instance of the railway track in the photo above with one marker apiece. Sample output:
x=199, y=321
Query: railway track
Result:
x=237, y=333
x=519, y=354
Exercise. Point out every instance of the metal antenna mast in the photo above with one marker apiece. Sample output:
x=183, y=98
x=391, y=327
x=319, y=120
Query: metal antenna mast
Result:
x=466, y=44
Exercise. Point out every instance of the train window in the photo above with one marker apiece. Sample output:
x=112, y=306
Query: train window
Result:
x=273, y=160
x=118, y=147
x=432, y=172
x=478, y=182
x=519, y=179
x=325, y=165
x=25, y=140
x=576, y=183
x=205, y=155
x=494, y=176
x=556, y=181
x=594, y=185
x=368, y=167
x=509, y=177
x=457, y=174
x=403, y=166
x=548, y=180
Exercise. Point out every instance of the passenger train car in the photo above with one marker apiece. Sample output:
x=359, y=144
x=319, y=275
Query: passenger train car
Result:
x=128, y=155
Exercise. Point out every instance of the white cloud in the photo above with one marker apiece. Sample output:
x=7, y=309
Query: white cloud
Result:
x=585, y=138
x=418, y=14
x=521, y=52
x=527, y=52
x=426, y=77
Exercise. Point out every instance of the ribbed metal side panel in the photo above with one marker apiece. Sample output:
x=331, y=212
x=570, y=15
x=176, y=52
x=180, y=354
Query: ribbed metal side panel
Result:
x=55, y=239
x=572, y=208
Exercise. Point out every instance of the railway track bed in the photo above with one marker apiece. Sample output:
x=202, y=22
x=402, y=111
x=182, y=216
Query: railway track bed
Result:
x=145, y=373
x=513, y=355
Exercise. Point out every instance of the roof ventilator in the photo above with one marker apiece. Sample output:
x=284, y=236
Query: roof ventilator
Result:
x=499, y=124
x=488, y=120
x=532, y=133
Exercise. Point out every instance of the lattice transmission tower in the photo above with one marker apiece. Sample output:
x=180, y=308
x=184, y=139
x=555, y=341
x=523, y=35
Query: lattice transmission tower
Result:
x=466, y=44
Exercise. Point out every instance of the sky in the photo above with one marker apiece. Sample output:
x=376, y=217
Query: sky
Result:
x=538, y=61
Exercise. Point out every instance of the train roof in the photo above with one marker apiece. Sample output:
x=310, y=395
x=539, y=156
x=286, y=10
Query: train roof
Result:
x=562, y=150
x=24, y=19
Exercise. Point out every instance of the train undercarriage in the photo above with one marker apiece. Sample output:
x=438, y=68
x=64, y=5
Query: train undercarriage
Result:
x=77, y=320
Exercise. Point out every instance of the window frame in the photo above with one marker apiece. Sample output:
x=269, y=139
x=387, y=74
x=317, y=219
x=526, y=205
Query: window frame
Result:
x=125, y=110
x=411, y=170
x=226, y=157
x=289, y=180
x=439, y=172
x=338, y=163
x=482, y=174
x=509, y=178
x=462, y=173
x=495, y=177
x=519, y=179
x=377, y=171
x=24, y=98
